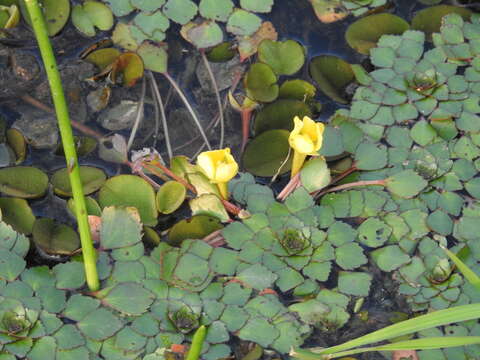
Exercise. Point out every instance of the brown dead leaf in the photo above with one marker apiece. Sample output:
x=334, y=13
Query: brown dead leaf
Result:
x=248, y=45
x=329, y=11
x=95, y=223
x=404, y=355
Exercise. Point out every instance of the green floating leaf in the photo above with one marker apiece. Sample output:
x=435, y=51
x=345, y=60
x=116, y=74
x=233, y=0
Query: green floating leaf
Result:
x=101, y=58
x=350, y=256
x=92, y=14
x=221, y=53
x=180, y=11
x=55, y=12
x=243, y=23
x=147, y=5
x=264, y=6
x=297, y=89
x=354, y=283
x=259, y=330
x=84, y=145
x=131, y=67
x=257, y=276
x=311, y=311
x=389, y=258
x=332, y=74
x=280, y=114
x=196, y=227
x=332, y=142
x=428, y=20
x=150, y=23
x=100, y=324
x=274, y=149
x=121, y=7
x=122, y=36
x=23, y=181
x=440, y=222
x=406, y=184
x=364, y=33
x=170, y=196
x=154, y=56
x=69, y=275
x=92, y=206
x=217, y=10
x=44, y=348
x=284, y=57
x=203, y=35
x=11, y=265
x=18, y=144
x=129, y=298
x=329, y=11
x=120, y=227
x=18, y=214
x=370, y=156
x=92, y=179
x=374, y=232
x=130, y=190
x=261, y=83
x=315, y=174
x=54, y=238
x=209, y=204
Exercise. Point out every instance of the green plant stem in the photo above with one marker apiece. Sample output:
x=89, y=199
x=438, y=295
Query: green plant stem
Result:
x=151, y=167
x=352, y=185
x=61, y=109
x=197, y=343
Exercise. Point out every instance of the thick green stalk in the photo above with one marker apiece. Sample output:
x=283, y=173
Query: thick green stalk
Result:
x=40, y=29
x=197, y=343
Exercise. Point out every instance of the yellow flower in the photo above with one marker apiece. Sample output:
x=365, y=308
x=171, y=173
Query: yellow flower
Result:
x=305, y=139
x=219, y=167
x=307, y=136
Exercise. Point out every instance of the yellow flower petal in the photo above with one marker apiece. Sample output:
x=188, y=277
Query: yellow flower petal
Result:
x=218, y=165
x=205, y=162
x=303, y=144
x=306, y=136
x=225, y=172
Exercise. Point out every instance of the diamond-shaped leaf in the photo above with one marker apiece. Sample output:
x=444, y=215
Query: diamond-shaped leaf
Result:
x=100, y=324
x=406, y=184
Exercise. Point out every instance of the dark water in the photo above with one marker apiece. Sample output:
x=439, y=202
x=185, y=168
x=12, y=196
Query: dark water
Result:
x=293, y=19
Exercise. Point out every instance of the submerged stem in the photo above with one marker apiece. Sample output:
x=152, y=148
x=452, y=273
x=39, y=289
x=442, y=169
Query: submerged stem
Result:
x=159, y=102
x=139, y=115
x=189, y=108
x=64, y=125
x=77, y=125
x=217, y=96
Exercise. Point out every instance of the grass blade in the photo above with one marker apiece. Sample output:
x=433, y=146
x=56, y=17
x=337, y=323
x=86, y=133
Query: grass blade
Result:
x=434, y=319
x=464, y=269
x=428, y=343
